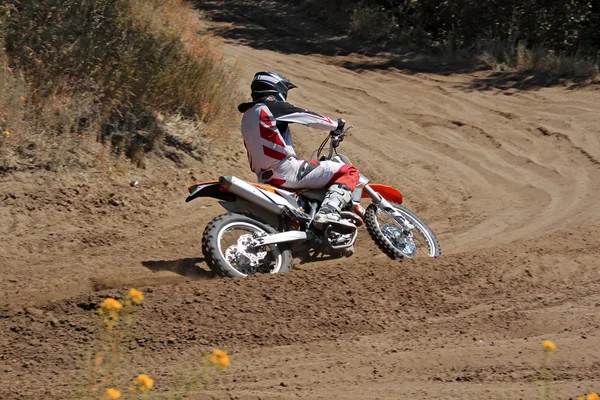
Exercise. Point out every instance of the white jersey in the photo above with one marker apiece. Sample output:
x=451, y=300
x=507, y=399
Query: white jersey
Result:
x=266, y=132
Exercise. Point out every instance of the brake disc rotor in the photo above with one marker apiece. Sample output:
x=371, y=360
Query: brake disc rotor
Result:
x=246, y=258
x=400, y=240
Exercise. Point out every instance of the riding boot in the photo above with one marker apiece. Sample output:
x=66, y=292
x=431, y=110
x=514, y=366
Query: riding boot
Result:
x=336, y=198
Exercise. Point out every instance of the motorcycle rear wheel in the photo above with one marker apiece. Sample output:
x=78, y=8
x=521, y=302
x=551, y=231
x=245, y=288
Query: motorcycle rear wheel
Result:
x=389, y=236
x=227, y=256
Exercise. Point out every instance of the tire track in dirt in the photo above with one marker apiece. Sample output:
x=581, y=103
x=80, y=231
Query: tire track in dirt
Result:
x=401, y=127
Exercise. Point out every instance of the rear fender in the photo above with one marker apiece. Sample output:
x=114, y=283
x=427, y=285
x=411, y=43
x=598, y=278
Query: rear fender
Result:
x=387, y=192
x=209, y=189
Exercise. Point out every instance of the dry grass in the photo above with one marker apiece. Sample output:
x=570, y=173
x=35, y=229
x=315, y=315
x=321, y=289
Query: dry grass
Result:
x=502, y=57
x=51, y=133
x=79, y=67
x=109, y=372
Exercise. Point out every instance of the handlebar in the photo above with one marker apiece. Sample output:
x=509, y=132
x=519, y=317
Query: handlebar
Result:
x=343, y=132
x=334, y=138
x=338, y=137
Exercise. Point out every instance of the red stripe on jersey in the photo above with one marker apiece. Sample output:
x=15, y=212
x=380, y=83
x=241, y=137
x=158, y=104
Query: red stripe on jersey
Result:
x=276, y=182
x=271, y=135
x=264, y=117
x=322, y=118
x=273, y=153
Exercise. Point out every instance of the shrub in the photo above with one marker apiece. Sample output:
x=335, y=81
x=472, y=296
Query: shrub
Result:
x=372, y=22
x=130, y=60
x=562, y=37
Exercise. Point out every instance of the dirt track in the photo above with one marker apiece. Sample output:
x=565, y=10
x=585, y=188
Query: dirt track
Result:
x=507, y=177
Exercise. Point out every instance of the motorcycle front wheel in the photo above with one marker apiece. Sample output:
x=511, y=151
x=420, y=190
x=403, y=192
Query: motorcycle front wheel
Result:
x=394, y=240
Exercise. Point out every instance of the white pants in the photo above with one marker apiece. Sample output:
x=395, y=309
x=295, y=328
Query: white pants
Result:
x=291, y=173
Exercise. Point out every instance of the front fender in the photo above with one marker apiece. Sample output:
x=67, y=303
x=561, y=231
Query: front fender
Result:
x=387, y=192
x=209, y=189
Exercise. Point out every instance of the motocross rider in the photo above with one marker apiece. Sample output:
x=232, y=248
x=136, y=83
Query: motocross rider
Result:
x=268, y=141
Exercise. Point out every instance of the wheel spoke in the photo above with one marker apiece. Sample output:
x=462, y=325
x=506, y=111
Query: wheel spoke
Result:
x=414, y=245
x=233, y=245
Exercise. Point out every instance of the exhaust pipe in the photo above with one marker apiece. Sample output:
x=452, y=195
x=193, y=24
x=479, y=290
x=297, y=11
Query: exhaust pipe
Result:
x=250, y=193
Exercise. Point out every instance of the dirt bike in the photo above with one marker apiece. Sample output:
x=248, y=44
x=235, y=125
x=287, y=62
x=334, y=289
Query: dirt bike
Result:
x=267, y=226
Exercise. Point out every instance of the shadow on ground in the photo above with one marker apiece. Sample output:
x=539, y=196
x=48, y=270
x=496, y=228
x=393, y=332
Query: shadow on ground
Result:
x=273, y=25
x=411, y=62
x=518, y=81
x=186, y=267
x=284, y=27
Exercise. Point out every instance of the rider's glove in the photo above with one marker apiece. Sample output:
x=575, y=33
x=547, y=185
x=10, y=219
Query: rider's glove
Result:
x=340, y=125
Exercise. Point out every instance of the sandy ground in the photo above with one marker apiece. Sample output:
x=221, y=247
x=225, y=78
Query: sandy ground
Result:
x=506, y=175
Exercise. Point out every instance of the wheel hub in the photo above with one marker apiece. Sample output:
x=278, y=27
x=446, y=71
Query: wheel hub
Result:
x=242, y=255
x=400, y=239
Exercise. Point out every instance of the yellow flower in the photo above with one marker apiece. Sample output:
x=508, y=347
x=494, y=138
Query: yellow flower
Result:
x=219, y=353
x=109, y=304
x=7, y=133
x=113, y=394
x=593, y=396
x=549, y=345
x=136, y=296
x=145, y=382
x=220, y=357
x=224, y=361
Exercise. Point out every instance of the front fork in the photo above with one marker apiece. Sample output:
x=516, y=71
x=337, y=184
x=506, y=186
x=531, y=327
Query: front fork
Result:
x=387, y=206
